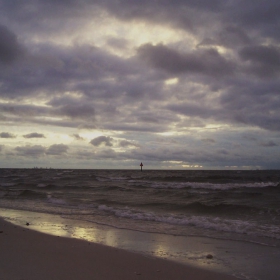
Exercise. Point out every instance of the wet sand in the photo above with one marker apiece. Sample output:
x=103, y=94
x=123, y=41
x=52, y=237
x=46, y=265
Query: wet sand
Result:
x=30, y=255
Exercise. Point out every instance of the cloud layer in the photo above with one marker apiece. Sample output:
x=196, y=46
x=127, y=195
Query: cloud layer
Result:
x=176, y=84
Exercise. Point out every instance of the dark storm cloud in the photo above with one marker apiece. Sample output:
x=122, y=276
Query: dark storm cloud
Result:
x=208, y=61
x=34, y=135
x=31, y=151
x=7, y=135
x=105, y=140
x=10, y=49
x=57, y=149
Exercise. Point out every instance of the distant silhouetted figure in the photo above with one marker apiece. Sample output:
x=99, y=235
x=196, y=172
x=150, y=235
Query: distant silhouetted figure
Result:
x=141, y=164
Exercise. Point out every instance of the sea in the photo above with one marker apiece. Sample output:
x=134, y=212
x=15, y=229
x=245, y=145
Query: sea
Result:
x=221, y=206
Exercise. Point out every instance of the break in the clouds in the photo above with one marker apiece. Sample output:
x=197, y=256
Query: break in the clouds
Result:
x=176, y=84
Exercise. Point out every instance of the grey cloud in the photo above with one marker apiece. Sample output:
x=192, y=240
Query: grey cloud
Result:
x=80, y=111
x=238, y=87
x=10, y=49
x=176, y=12
x=125, y=144
x=57, y=149
x=81, y=115
x=208, y=62
x=194, y=110
x=23, y=110
x=34, y=135
x=232, y=36
x=250, y=137
x=50, y=69
x=149, y=119
x=208, y=140
x=249, y=101
x=106, y=140
x=261, y=16
x=265, y=60
x=31, y=151
x=117, y=43
x=180, y=14
x=7, y=135
x=39, y=150
x=136, y=127
x=77, y=137
x=107, y=154
x=268, y=144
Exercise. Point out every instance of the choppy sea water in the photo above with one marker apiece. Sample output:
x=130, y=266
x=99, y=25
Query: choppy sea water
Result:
x=227, y=205
x=223, y=204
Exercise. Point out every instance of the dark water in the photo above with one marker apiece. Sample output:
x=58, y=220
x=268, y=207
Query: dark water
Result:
x=235, y=205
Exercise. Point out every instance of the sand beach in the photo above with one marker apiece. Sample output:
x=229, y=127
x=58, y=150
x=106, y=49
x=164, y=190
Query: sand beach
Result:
x=30, y=255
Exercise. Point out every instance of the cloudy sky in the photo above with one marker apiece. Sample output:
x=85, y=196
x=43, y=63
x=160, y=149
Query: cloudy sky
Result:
x=176, y=84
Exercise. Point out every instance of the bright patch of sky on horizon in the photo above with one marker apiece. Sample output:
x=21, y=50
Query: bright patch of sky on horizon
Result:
x=109, y=84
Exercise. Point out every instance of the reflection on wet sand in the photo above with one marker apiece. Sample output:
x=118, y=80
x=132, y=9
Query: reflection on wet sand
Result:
x=226, y=254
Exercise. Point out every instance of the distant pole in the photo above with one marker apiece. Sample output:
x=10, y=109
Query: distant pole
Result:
x=141, y=164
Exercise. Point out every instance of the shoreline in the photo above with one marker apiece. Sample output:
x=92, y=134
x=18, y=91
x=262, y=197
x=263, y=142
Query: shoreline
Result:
x=234, y=259
x=32, y=255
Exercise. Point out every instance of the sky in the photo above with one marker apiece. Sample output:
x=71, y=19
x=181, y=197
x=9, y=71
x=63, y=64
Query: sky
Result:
x=175, y=84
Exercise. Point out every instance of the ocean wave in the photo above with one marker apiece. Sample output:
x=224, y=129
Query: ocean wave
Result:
x=213, y=186
x=7, y=184
x=204, y=222
x=58, y=201
x=24, y=193
x=200, y=207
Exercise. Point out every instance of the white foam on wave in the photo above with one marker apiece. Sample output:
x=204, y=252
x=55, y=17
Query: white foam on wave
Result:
x=212, y=186
x=212, y=223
